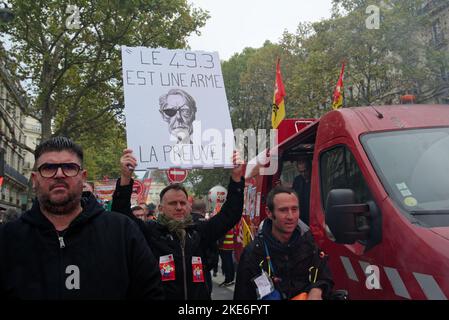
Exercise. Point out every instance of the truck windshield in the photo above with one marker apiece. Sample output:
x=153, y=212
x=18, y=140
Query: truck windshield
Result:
x=413, y=166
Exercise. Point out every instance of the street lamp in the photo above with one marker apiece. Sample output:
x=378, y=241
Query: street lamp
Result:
x=6, y=14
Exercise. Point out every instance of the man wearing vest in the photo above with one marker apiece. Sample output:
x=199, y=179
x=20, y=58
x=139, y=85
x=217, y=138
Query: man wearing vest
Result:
x=226, y=249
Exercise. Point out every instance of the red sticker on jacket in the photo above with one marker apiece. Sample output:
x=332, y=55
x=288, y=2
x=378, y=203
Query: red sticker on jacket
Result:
x=197, y=269
x=167, y=267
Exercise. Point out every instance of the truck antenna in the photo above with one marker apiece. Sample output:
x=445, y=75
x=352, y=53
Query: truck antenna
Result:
x=379, y=115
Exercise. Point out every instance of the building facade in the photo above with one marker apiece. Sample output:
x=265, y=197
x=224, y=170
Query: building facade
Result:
x=437, y=36
x=33, y=134
x=13, y=192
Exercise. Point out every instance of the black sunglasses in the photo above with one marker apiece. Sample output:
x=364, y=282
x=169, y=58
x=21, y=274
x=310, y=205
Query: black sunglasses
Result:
x=49, y=170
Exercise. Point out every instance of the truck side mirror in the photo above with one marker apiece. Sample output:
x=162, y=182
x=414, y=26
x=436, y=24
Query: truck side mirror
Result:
x=347, y=220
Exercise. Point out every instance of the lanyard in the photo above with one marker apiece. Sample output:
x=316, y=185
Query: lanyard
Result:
x=270, y=265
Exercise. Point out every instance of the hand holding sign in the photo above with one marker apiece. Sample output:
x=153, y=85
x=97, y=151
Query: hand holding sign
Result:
x=127, y=165
x=237, y=171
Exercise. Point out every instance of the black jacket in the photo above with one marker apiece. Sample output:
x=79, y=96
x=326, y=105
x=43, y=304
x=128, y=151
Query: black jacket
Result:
x=291, y=263
x=199, y=237
x=102, y=253
x=211, y=254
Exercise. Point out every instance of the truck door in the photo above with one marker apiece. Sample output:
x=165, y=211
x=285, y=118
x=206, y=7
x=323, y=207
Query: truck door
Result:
x=354, y=266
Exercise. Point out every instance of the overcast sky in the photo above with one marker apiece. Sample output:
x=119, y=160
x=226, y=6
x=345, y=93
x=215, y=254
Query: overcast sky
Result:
x=236, y=24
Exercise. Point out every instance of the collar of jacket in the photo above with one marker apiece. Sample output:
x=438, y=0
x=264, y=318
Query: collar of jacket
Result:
x=91, y=209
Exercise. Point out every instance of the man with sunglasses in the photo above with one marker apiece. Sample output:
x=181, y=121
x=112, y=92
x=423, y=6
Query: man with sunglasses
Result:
x=66, y=246
x=178, y=109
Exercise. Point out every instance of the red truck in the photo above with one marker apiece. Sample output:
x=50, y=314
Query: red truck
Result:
x=379, y=198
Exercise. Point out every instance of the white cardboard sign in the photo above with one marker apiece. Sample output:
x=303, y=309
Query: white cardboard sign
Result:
x=177, y=114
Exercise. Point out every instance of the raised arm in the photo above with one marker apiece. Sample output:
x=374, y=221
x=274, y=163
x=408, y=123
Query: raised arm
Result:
x=231, y=211
x=121, y=199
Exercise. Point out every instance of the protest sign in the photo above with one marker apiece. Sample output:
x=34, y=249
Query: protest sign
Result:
x=176, y=110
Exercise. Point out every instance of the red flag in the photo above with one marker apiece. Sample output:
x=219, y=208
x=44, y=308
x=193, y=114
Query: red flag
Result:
x=279, y=93
x=337, y=102
x=278, y=109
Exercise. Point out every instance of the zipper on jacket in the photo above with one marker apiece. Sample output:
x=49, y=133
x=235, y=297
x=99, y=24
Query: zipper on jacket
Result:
x=184, y=271
x=61, y=242
x=61, y=273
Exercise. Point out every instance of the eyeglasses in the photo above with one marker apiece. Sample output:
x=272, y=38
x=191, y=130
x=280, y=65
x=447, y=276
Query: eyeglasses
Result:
x=49, y=170
x=171, y=112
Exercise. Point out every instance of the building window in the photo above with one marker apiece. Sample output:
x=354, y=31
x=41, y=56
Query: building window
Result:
x=3, y=92
x=8, y=155
x=9, y=105
x=15, y=159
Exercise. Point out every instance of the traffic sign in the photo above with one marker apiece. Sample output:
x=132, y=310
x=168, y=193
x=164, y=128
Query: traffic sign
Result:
x=138, y=187
x=176, y=175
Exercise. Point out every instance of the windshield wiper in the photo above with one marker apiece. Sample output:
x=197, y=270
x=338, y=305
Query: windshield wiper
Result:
x=428, y=212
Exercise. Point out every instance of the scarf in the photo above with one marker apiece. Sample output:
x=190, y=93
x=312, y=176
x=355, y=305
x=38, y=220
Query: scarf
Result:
x=177, y=227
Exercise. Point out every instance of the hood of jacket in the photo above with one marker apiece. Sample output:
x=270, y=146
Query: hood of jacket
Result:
x=273, y=242
x=91, y=209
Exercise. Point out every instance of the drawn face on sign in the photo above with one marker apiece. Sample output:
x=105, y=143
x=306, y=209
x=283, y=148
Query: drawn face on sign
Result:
x=178, y=109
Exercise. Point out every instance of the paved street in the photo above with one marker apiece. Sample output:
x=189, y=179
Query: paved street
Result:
x=225, y=293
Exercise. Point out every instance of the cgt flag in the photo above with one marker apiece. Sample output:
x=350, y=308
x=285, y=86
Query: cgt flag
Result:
x=244, y=236
x=278, y=108
x=337, y=102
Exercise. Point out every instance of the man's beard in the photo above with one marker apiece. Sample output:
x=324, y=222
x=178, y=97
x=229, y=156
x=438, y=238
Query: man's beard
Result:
x=61, y=207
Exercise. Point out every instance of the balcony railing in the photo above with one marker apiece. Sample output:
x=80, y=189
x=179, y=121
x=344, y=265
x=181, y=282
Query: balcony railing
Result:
x=33, y=128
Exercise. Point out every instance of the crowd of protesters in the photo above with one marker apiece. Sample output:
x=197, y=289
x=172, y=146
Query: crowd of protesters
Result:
x=67, y=246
